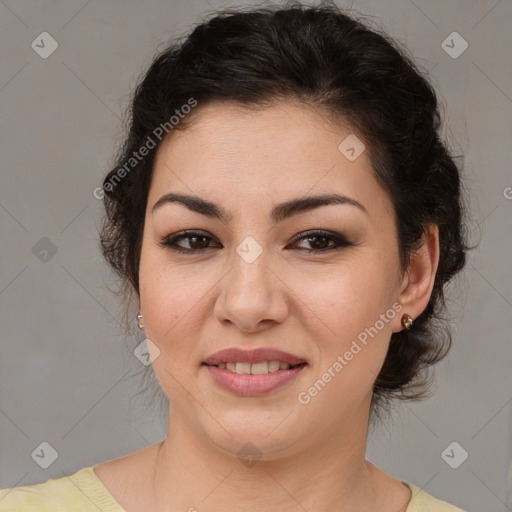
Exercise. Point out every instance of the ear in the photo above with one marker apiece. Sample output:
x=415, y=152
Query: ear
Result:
x=418, y=281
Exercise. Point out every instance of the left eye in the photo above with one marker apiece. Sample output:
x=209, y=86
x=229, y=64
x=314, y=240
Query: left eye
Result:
x=319, y=240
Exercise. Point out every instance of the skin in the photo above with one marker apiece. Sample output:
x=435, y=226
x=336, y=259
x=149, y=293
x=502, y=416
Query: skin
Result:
x=312, y=305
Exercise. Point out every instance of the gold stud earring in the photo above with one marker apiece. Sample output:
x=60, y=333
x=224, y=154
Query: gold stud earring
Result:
x=139, y=324
x=407, y=321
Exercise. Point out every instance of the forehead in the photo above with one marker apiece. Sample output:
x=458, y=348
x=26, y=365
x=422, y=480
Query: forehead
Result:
x=244, y=156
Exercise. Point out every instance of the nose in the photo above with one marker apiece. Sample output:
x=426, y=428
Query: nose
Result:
x=253, y=296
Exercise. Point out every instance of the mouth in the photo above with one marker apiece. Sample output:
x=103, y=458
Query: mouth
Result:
x=245, y=384
x=253, y=361
x=254, y=372
x=260, y=368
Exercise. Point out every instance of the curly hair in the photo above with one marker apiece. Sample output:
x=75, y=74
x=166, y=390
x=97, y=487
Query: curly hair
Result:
x=326, y=58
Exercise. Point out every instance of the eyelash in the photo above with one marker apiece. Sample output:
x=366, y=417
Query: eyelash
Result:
x=340, y=241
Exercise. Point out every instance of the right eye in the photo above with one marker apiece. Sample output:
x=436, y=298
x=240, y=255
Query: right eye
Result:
x=197, y=241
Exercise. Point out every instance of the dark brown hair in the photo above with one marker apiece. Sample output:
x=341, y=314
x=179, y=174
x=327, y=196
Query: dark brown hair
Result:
x=325, y=58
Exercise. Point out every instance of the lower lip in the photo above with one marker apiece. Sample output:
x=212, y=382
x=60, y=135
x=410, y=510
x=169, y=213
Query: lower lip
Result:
x=252, y=385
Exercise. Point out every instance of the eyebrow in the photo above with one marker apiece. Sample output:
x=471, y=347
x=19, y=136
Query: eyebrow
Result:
x=279, y=213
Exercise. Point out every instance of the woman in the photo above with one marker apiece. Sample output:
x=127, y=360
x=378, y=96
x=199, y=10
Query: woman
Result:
x=287, y=217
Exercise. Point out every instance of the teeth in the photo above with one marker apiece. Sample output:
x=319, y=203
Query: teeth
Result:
x=244, y=368
x=255, y=368
x=273, y=366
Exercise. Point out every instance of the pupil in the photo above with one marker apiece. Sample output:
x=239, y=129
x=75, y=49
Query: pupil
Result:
x=317, y=237
x=195, y=238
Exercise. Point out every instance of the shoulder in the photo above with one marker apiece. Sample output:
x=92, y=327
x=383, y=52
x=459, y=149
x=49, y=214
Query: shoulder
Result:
x=80, y=492
x=423, y=502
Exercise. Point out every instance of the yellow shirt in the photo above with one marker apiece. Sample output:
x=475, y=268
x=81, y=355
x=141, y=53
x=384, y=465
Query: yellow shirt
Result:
x=84, y=492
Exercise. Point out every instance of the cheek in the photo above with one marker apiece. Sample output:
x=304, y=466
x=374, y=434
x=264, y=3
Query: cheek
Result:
x=351, y=338
x=167, y=298
x=347, y=297
x=351, y=318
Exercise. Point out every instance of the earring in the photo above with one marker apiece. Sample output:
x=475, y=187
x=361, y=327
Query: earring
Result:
x=139, y=325
x=407, y=321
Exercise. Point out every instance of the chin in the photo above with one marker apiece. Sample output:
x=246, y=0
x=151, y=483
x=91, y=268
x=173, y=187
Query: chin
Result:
x=268, y=440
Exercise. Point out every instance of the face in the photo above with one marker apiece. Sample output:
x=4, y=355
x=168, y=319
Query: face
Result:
x=311, y=282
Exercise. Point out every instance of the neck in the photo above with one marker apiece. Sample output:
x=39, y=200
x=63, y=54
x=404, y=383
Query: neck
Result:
x=327, y=472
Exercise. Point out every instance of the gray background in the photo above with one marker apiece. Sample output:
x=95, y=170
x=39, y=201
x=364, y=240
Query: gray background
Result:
x=66, y=371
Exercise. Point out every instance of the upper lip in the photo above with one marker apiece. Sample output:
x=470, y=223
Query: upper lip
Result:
x=257, y=355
